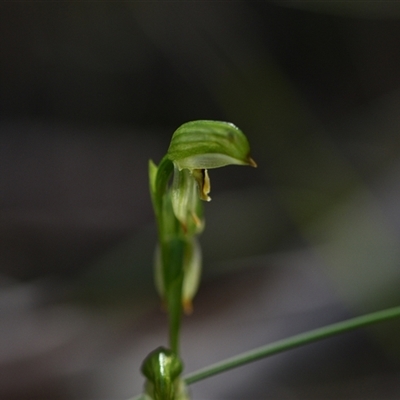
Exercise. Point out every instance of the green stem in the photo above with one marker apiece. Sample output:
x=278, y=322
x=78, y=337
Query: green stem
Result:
x=292, y=342
x=171, y=245
x=173, y=271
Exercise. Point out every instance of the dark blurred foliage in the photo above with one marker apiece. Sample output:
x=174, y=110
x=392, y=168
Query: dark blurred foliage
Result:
x=89, y=91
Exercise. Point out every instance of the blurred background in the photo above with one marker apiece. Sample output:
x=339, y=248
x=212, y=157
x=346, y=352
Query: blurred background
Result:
x=90, y=91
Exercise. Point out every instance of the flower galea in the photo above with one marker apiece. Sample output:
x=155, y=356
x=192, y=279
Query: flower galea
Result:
x=195, y=148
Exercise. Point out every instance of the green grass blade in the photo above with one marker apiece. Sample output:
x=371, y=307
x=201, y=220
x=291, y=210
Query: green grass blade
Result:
x=292, y=342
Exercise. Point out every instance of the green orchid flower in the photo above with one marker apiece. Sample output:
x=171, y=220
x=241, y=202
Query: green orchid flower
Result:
x=195, y=148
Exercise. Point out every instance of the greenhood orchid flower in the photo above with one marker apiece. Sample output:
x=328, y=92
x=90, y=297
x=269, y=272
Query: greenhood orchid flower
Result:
x=195, y=148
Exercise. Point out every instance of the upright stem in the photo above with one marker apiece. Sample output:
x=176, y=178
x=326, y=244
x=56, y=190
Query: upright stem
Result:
x=172, y=248
x=173, y=254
